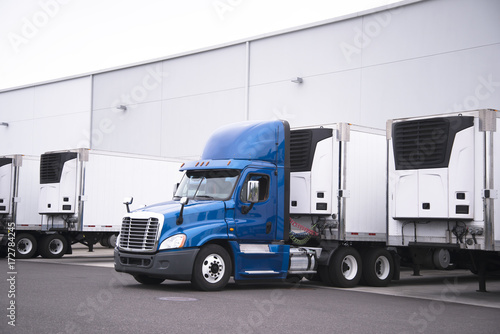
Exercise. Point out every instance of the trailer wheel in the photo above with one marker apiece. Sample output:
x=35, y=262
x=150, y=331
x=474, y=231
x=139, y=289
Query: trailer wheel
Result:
x=104, y=241
x=148, y=280
x=344, y=269
x=212, y=268
x=378, y=267
x=112, y=240
x=53, y=246
x=26, y=245
x=3, y=252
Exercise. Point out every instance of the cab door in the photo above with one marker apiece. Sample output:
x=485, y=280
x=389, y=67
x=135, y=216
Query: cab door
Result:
x=257, y=222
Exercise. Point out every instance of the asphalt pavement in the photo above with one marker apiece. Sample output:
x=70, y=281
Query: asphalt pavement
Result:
x=81, y=293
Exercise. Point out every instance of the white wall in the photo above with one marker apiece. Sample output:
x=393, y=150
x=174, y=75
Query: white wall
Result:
x=171, y=105
x=48, y=117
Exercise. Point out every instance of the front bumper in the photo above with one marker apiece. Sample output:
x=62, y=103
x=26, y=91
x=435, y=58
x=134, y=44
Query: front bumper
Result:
x=174, y=264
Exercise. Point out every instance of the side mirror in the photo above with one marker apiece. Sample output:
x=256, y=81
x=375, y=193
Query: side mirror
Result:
x=253, y=191
x=127, y=201
x=184, y=201
x=252, y=196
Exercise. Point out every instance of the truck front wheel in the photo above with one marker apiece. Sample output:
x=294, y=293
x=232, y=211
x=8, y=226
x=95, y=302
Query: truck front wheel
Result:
x=25, y=246
x=53, y=246
x=344, y=269
x=212, y=268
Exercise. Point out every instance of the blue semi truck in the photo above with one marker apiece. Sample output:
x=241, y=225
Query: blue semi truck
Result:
x=268, y=203
x=339, y=202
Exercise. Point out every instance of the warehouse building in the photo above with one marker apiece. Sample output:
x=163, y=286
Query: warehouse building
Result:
x=407, y=59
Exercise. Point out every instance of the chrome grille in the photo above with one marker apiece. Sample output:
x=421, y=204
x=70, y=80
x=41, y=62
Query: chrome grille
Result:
x=139, y=234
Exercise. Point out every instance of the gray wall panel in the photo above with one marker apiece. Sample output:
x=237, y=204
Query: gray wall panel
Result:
x=200, y=73
x=47, y=117
x=188, y=122
x=429, y=27
x=17, y=138
x=137, y=130
x=62, y=98
x=319, y=99
x=449, y=82
x=130, y=86
x=60, y=132
x=17, y=105
x=303, y=53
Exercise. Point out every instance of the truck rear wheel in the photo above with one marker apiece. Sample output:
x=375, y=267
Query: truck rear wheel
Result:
x=148, y=280
x=25, y=246
x=212, y=268
x=344, y=269
x=53, y=246
x=378, y=267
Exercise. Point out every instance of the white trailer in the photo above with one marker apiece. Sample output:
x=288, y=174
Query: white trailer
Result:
x=18, y=202
x=442, y=190
x=337, y=188
x=81, y=194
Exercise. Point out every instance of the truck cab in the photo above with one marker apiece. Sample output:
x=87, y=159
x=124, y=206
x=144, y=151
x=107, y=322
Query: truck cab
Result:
x=229, y=215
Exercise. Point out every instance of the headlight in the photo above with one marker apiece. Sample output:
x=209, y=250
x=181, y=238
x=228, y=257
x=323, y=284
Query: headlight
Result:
x=175, y=241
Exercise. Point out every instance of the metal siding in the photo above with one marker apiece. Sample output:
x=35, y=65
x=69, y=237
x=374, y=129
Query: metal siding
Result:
x=136, y=130
x=429, y=28
x=60, y=133
x=207, y=72
x=112, y=177
x=314, y=51
x=62, y=98
x=27, y=207
x=17, y=137
x=322, y=99
x=129, y=86
x=17, y=105
x=449, y=82
x=188, y=122
x=366, y=183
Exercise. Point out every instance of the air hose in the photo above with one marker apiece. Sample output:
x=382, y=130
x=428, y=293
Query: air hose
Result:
x=301, y=238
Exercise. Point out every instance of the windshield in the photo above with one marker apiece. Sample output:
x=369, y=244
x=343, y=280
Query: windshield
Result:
x=208, y=184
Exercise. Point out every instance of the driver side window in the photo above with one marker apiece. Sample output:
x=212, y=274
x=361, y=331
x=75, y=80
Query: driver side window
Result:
x=263, y=187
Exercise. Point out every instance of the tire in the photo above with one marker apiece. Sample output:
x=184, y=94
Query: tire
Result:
x=3, y=252
x=344, y=269
x=112, y=240
x=26, y=246
x=378, y=267
x=212, y=268
x=53, y=246
x=441, y=259
x=148, y=280
x=104, y=241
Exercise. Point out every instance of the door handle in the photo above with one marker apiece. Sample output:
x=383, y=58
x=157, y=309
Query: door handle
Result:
x=269, y=227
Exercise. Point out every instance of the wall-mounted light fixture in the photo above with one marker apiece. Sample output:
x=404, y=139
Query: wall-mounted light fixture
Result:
x=297, y=80
x=4, y=124
x=122, y=107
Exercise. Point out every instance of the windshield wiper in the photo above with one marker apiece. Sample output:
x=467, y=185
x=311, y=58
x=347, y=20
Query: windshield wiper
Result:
x=204, y=196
